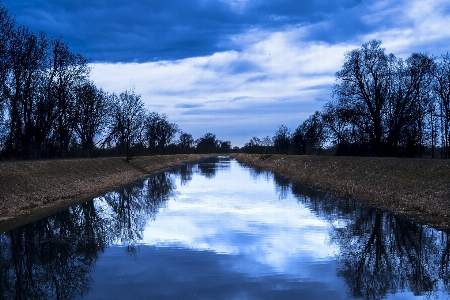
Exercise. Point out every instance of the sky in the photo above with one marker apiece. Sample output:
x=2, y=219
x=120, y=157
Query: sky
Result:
x=235, y=68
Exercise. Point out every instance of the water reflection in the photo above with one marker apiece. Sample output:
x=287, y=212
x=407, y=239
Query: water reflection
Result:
x=211, y=165
x=127, y=211
x=382, y=254
x=225, y=231
x=52, y=258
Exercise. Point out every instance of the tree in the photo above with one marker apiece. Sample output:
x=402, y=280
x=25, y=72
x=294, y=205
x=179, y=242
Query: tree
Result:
x=267, y=143
x=282, y=139
x=159, y=132
x=68, y=71
x=27, y=53
x=91, y=114
x=407, y=103
x=223, y=146
x=257, y=145
x=362, y=90
x=253, y=146
x=185, y=142
x=299, y=141
x=127, y=115
x=6, y=32
x=441, y=90
x=381, y=101
x=310, y=136
x=207, y=143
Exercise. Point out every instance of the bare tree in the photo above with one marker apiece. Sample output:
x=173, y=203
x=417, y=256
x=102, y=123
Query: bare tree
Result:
x=310, y=136
x=223, y=146
x=127, y=114
x=362, y=89
x=27, y=53
x=380, y=101
x=159, y=132
x=68, y=71
x=185, y=142
x=441, y=89
x=6, y=33
x=207, y=143
x=253, y=146
x=406, y=103
x=91, y=114
x=282, y=139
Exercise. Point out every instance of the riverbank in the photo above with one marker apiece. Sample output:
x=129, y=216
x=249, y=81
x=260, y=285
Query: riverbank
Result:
x=418, y=189
x=30, y=190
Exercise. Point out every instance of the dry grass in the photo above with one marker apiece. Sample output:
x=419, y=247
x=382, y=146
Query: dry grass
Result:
x=33, y=189
x=415, y=188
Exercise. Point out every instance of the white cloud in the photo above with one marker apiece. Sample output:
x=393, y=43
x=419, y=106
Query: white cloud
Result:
x=413, y=26
x=275, y=72
x=276, y=78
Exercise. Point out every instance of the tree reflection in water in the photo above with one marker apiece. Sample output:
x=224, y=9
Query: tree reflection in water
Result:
x=53, y=258
x=126, y=212
x=211, y=165
x=380, y=253
x=282, y=184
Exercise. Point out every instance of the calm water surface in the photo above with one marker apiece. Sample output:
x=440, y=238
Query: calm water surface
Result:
x=220, y=230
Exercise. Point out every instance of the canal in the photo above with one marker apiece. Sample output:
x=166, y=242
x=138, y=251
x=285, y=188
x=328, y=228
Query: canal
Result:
x=216, y=229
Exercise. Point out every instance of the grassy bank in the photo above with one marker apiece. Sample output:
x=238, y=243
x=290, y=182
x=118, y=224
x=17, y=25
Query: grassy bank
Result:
x=418, y=189
x=33, y=189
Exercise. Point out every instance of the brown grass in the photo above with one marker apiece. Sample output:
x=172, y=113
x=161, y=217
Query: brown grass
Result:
x=418, y=189
x=33, y=189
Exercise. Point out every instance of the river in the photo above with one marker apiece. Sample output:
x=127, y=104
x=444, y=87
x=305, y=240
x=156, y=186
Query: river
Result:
x=219, y=230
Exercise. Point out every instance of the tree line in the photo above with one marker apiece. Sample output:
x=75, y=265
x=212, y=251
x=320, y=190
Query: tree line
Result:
x=382, y=105
x=50, y=108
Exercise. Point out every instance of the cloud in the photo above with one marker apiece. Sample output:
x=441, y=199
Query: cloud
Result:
x=188, y=105
x=173, y=273
x=279, y=77
x=410, y=26
x=271, y=82
x=139, y=31
x=231, y=224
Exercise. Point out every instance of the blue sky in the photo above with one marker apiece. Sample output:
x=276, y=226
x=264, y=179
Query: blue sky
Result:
x=237, y=68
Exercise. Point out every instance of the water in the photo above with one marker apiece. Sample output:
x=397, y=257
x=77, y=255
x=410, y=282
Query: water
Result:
x=220, y=230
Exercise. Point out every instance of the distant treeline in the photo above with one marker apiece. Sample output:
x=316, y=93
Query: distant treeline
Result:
x=382, y=105
x=50, y=108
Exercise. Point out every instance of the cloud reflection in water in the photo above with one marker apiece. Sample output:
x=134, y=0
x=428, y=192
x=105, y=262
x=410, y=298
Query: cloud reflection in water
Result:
x=235, y=214
x=231, y=232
